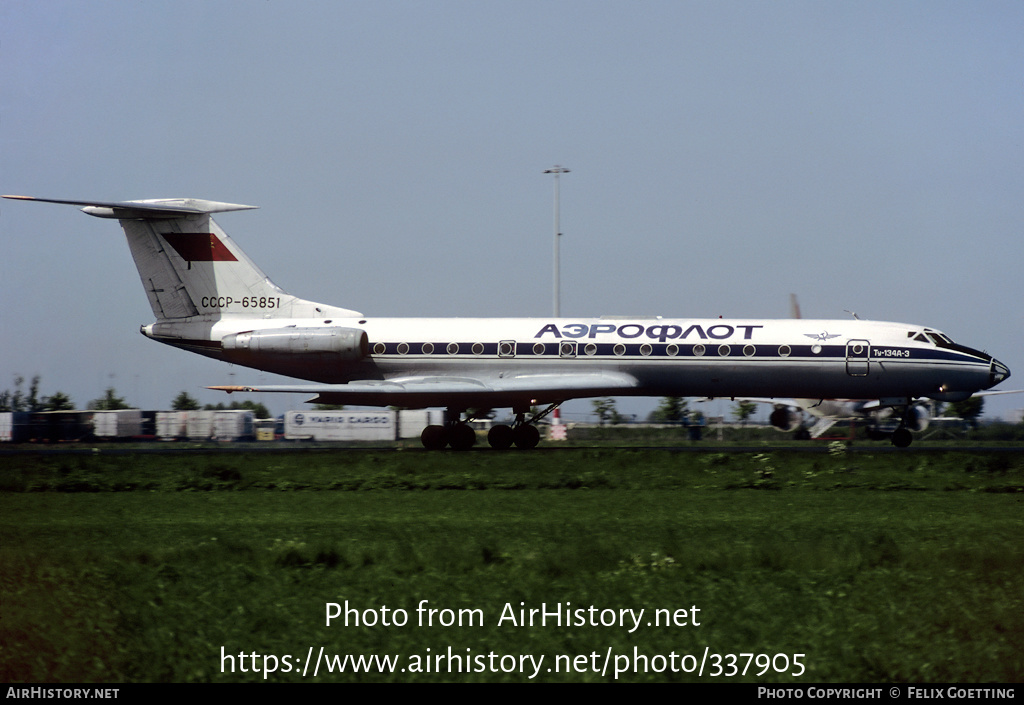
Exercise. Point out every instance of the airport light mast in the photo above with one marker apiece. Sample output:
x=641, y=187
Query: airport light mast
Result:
x=556, y=418
x=557, y=171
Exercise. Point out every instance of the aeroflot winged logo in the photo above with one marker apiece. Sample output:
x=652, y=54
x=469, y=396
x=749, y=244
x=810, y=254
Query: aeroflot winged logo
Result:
x=823, y=336
x=199, y=247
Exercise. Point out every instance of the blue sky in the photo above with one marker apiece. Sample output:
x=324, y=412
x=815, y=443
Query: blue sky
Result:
x=863, y=155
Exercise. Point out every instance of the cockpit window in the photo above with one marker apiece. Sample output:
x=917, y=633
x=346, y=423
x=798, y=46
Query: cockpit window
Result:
x=940, y=339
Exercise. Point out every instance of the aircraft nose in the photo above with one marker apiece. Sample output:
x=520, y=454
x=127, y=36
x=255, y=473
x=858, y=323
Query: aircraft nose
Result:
x=997, y=372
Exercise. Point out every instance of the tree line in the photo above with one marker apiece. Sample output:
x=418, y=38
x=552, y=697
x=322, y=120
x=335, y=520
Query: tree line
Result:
x=19, y=398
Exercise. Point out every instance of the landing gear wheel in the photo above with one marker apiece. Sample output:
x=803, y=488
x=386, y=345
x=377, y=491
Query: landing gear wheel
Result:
x=434, y=437
x=901, y=438
x=461, y=437
x=526, y=436
x=501, y=437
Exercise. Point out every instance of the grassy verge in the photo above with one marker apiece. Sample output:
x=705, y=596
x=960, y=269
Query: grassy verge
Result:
x=897, y=567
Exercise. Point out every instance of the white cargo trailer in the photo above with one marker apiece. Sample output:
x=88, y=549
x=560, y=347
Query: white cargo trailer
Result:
x=376, y=425
x=199, y=425
x=233, y=425
x=14, y=426
x=120, y=423
x=411, y=422
x=171, y=425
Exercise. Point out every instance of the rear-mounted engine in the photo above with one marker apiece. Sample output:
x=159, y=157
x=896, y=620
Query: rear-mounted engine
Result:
x=334, y=343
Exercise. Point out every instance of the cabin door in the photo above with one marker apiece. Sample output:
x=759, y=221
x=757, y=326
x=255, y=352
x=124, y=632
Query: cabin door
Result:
x=858, y=358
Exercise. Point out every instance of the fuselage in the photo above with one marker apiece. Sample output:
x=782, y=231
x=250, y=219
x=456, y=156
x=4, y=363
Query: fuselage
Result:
x=847, y=359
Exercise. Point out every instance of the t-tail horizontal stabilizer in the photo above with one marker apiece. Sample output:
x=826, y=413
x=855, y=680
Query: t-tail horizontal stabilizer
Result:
x=156, y=208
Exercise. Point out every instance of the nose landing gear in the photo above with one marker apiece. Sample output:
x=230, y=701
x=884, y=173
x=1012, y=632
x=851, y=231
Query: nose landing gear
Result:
x=902, y=437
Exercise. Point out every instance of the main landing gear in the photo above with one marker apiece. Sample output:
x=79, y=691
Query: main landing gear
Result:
x=458, y=435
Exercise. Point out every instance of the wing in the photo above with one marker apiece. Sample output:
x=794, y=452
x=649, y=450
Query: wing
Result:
x=770, y=400
x=420, y=392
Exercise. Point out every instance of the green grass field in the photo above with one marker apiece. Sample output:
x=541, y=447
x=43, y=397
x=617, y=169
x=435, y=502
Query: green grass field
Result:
x=193, y=567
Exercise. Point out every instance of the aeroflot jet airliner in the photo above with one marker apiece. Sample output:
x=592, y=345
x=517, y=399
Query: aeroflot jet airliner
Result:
x=210, y=298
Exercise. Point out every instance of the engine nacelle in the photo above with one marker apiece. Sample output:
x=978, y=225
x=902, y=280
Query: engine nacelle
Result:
x=786, y=419
x=349, y=344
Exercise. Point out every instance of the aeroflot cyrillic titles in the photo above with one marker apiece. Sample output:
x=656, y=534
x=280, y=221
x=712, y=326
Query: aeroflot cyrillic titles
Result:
x=208, y=297
x=658, y=331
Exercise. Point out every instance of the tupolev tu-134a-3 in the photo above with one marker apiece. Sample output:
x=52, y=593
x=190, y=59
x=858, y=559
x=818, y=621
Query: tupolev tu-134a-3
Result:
x=210, y=298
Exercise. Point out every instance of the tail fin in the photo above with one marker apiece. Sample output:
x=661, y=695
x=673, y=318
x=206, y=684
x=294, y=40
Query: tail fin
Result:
x=190, y=267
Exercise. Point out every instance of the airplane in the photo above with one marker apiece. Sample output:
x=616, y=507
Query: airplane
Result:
x=209, y=298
